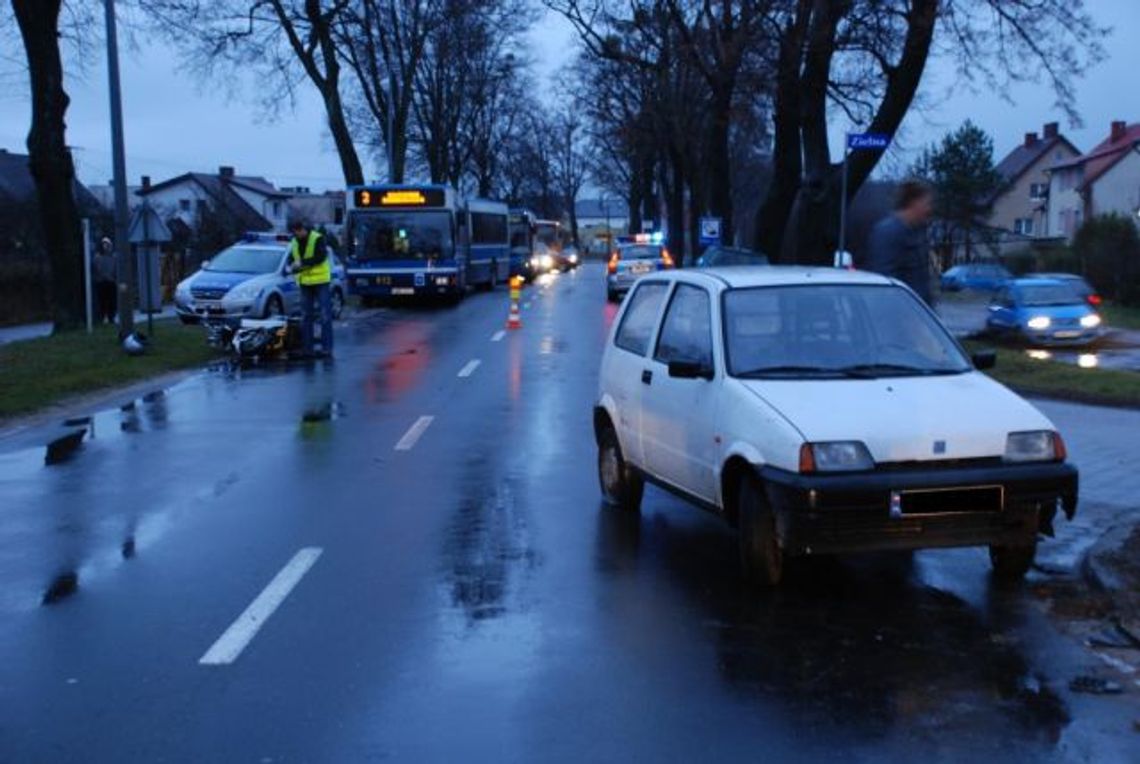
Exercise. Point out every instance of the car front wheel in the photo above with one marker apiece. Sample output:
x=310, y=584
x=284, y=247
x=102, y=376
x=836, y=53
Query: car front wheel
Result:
x=761, y=558
x=1012, y=562
x=621, y=486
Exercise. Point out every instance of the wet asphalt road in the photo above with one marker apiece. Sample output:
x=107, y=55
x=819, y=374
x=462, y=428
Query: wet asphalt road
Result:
x=472, y=600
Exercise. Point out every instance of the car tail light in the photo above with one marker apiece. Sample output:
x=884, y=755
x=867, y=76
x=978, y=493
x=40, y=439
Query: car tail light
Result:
x=807, y=459
x=613, y=262
x=666, y=258
x=1094, y=299
x=1060, y=453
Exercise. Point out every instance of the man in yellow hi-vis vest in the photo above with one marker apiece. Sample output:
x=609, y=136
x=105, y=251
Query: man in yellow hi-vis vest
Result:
x=310, y=261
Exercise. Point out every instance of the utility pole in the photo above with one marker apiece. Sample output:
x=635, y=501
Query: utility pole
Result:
x=127, y=286
x=843, y=201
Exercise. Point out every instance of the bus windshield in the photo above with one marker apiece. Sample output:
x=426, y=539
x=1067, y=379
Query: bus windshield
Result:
x=393, y=235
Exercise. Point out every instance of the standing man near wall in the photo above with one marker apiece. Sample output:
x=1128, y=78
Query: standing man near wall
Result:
x=309, y=255
x=898, y=246
x=104, y=275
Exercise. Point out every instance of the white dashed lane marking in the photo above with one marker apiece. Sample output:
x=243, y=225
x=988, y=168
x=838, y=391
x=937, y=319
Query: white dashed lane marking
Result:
x=497, y=336
x=408, y=442
x=242, y=631
x=470, y=368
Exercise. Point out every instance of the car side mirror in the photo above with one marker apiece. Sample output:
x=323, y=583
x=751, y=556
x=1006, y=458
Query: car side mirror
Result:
x=984, y=359
x=689, y=370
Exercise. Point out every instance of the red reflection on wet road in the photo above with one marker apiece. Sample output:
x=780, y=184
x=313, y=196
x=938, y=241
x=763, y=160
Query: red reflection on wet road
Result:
x=401, y=370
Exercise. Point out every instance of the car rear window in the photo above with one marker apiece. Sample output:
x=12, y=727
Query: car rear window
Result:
x=640, y=317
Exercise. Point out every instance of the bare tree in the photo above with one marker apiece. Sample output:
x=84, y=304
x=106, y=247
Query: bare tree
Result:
x=287, y=41
x=50, y=159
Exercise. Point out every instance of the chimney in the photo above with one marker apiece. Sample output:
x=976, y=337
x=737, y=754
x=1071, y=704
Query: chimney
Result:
x=146, y=183
x=1050, y=130
x=226, y=171
x=1118, y=129
x=1030, y=140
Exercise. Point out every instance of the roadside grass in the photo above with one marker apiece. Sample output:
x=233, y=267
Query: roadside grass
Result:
x=1121, y=316
x=37, y=373
x=1053, y=379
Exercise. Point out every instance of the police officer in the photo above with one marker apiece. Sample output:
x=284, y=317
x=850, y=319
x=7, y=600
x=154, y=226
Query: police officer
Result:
x=309, y=256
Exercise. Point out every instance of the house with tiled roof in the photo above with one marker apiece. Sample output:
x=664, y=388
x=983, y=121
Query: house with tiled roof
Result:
x=1019, y=203
x=249, y=203
x=1100, y=182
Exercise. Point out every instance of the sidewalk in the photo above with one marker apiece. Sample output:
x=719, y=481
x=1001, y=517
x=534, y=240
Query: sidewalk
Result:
x=32, y=331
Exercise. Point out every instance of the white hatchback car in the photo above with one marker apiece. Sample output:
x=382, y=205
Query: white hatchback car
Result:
x=821, y=411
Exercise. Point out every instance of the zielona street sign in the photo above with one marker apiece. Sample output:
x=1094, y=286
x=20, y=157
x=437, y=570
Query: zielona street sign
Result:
x=857, y=141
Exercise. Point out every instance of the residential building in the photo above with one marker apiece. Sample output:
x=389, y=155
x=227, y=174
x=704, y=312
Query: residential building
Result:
x=251, y=202
x=1103, y=181
x=1019, y=205
x=320, y=210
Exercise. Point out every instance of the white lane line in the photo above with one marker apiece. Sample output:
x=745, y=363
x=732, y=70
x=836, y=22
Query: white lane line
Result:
x=412, y=435
x=242, y=631
x=470, y=368
x=497, y=336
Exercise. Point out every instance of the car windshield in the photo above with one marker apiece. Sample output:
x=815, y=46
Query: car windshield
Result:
x=734, y=256
x=640, y=252
x=1039, y=295
x=392, y=235
x=832, y=331
x=243, y=259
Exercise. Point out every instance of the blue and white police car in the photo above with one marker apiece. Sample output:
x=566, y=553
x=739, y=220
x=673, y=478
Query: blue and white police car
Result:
x=249, y=280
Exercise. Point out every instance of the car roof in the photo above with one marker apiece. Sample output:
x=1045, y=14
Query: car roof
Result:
x=1038, y=281
x=743, y=276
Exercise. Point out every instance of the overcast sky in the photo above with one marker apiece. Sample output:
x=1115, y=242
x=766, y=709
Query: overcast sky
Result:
x=175, y=124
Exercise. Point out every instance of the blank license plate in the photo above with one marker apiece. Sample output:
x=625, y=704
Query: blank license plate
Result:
x=403, y=290
x=640, y=268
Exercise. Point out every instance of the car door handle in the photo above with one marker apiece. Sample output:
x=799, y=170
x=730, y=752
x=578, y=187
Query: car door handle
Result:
x=647, y=377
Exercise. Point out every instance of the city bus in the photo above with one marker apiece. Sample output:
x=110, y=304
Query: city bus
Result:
x=522, y=230
x=418, y=241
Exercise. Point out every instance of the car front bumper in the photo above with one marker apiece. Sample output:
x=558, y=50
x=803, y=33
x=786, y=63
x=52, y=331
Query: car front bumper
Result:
x=202, y=310
x=856, y=512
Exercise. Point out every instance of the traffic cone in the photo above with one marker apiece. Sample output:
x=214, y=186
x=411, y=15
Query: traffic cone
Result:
x=514, y=318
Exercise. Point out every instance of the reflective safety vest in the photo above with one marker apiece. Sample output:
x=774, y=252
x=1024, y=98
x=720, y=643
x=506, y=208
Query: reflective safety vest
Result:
x=312, y=275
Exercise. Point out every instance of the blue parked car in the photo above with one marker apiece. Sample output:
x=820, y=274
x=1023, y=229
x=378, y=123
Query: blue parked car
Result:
x=985, y=277
x=1044, y=312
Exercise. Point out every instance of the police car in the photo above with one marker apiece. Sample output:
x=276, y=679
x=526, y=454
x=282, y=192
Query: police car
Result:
x=249, y=280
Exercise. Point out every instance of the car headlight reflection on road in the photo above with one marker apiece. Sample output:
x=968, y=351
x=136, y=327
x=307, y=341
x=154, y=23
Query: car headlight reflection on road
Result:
x=1038, y=323
x=1091, y=321
x=1088, y=360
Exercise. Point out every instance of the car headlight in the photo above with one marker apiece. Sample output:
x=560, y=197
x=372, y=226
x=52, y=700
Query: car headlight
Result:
x=838, y=456
x=182, y=291
x=244, y=292
x=573, y=258
x=547, y=261
x=1034, y=446
x=1038, y=322
x=1091, y=321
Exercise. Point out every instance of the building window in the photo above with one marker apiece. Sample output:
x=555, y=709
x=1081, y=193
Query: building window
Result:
x=1023, y=226
x=184, y=205
x=1038, y=190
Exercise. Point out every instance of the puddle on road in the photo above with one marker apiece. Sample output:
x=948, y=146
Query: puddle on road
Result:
x=861, y=645
x=1101, y=359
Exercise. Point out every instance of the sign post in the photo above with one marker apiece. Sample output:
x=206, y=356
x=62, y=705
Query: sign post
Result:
x=855, y=142
x=710, y=230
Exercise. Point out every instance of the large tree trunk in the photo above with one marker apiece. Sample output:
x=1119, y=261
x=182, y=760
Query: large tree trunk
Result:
x=674, y=183
x=51, y=164
x=342, y=137
x=787, y=158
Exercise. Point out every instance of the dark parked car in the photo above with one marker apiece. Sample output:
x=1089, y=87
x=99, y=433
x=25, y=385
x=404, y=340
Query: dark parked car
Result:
x=986, y=277
x=718, y=256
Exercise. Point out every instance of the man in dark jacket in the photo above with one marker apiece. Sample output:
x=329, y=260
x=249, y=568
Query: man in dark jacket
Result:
x=898, y=246
x=104, y=275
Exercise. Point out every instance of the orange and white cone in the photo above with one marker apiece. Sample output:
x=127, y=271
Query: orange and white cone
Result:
x=514, y=318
